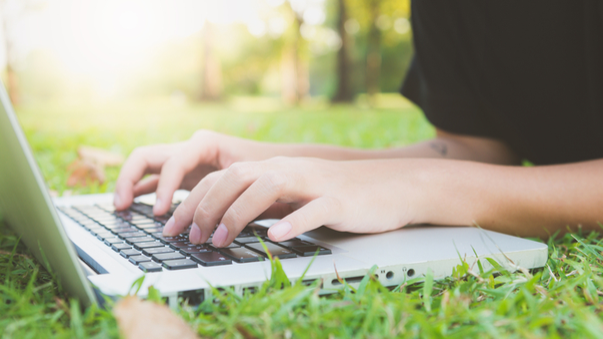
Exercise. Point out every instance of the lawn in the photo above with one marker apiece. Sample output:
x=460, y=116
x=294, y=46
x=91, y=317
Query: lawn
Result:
x=561, y=300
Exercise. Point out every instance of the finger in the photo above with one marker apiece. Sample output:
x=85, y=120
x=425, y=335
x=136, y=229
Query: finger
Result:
x=142, y=161
x=316, y=213
x=236, y=179
x=183, y=215
x=146, y=185
x=260, y=196
x=174, y=170
x=278, y=210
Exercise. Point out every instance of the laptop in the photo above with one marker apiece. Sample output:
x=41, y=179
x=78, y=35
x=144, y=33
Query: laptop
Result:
x=95, y=251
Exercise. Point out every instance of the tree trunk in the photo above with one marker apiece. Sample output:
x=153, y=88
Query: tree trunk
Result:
x=211, y=89
x=294, y=71
x=12, y=83
x=373, y=57
x=344, y=90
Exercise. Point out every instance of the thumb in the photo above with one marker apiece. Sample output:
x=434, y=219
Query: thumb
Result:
x=316, y=213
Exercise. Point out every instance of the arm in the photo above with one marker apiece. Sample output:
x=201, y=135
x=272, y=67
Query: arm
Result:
x=183, y=165
x=370, y=196
x=524, y=201
x=445, y=145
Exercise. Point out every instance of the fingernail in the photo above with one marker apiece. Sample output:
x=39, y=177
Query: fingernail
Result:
x=156, y=207
x=168, y=230
x=279, y=230
x=195, y=235
x=220, y=235
x=116, y=200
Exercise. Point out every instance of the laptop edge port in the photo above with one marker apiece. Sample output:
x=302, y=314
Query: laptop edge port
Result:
x=192, y=297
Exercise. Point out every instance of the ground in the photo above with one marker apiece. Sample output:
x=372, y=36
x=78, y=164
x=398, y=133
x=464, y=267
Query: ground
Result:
x=563, y=299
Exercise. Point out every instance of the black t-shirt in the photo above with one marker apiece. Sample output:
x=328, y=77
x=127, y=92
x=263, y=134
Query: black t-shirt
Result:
x=527, y=72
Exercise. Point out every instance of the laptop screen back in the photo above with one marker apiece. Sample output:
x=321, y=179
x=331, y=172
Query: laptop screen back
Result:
x=27, y=208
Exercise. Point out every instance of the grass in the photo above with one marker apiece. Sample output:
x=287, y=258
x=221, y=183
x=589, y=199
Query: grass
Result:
x=561, y=300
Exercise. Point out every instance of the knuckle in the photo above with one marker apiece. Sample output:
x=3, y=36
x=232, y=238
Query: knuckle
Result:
x=139, y=152
x=238, y=170
x=202, y=134
x=274, y=180
x=202, y=213
x=234, y=216
x=184, y=211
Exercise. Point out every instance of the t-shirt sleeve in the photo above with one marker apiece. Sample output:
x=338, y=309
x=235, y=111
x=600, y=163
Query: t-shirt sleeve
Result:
x=441, y=79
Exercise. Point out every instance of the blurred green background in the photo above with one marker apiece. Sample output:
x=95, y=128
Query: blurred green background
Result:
x=120, y=74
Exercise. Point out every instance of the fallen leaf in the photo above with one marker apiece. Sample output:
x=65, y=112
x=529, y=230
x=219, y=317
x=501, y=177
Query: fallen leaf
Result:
x=85, y=172
x=100, y=156
x=144, y=319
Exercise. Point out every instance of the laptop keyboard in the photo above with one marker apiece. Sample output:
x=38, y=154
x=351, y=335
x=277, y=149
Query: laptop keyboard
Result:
x=136, y=234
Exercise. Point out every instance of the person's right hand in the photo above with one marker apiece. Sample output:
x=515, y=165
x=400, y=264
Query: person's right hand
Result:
x=166, y=168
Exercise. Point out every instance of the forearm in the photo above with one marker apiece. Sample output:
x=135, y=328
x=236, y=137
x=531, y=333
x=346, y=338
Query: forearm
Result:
x=441, y=147
x=524, y=201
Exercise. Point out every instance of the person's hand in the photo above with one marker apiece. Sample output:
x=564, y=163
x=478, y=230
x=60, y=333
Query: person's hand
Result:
x=355, y=196
x=165, y=168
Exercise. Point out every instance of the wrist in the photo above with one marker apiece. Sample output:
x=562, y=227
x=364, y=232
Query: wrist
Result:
x=450, y=192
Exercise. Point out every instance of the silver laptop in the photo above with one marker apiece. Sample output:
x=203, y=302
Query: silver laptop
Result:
x=96, y=251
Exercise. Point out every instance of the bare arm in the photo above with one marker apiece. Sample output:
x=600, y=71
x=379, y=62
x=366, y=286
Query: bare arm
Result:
x=525, y=201
x=444, y=146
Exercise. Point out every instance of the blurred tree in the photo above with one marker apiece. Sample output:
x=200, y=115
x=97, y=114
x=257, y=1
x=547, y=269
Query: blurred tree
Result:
x=344, y=87
x=9, y=10
x=373, y=19
x=294, y=68
x=373, y=52
x=211, y=87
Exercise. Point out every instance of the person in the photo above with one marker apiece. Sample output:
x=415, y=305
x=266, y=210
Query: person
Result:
x=502, y=81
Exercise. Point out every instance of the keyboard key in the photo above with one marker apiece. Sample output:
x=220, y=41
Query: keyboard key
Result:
x=126, y=215
x=146, y=225
x=253, y=229
x=144, y=245
x=139, y=259
x=233, y=245
x=129, y=253
x=162, y=218
x=168, y=240
x=275, y=250
x=97, y=229
x=211, y=259
x=195, y=249
x=150, y=266
x=181, y=244
x=179, y=264
x=156, y=250
x=112, y=240
x=131, y=234
x=119, y=230
x=139, y=240
x=309, y=251
x=116, y=225
x=168, y=256
x=102, y=235
x=153, y=230
x=120, y=247
x=246, y=240
x=241, y=255
x=295, y=242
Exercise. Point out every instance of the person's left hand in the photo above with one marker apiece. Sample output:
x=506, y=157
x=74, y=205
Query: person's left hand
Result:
x=355, y=196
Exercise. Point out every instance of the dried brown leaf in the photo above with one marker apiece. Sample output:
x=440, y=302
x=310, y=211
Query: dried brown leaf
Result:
x=100, y=156
x=144, y=319
x=85, y=172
